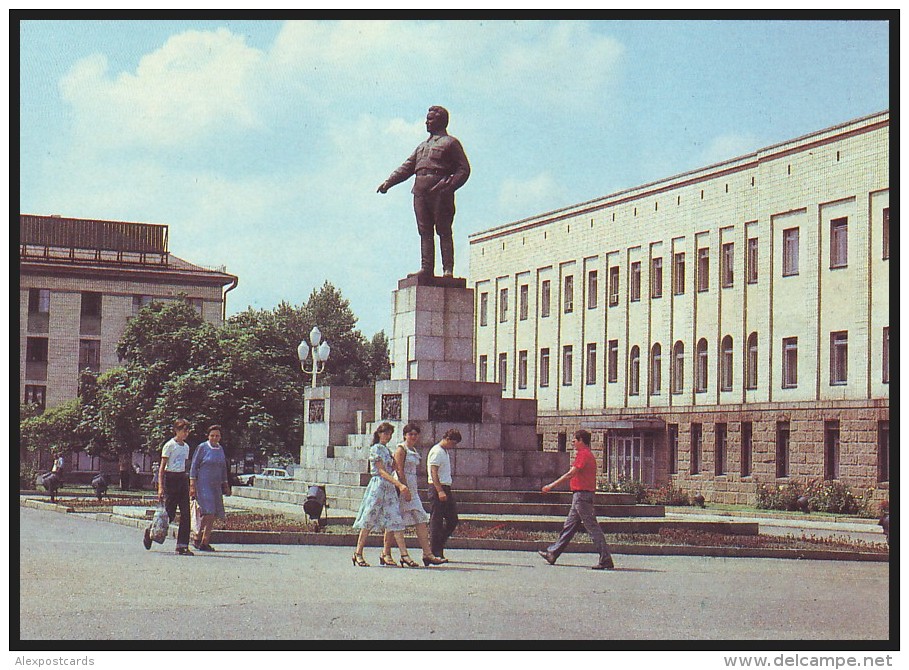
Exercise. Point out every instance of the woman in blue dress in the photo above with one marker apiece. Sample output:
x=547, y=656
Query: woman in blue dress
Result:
x=208, y=483
x=380, y=508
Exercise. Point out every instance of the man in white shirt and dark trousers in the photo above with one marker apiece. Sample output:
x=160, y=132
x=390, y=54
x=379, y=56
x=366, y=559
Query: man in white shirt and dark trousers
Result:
x=173, y=485
x=443, y=515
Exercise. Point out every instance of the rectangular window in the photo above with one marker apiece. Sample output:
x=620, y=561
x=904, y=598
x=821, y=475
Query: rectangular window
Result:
x=569, y=294
x=140, y=301
x=831, y=450
x=747, y=448
x=484, y=368
x=839, y=243
x=503, y=305
x=672, y=441
x=839, y=357
x=700, y=373
x=196, y=304
x=790, y=362
x=782, y=448
x=36, y=358
x=90, y=317
x=885, y=373
x=703, y=270
x=544, y=298
x=634, y=285
x=36, y=395
x=886, y=234
x=38, y=310
x=567, y=361
x=719, y=461
x=563, y=442
x=656, y=370
x=484, y=308
x=39, y=301
x=522, y=369
x=728, y=265
x=591, y=372
x=883, y=451
x=544, y=367
x=613, y=363
x=503, y=371
x=696, y=438
x=614, y=286
x=752, y=260
x=751, y=366
x=790, y=252
x=656, y=278
x=592, y=289
x=678, y=273
x=523, y=301
x=90, y=355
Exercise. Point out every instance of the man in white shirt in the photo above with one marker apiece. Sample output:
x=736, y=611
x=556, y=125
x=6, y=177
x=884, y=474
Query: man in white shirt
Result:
x=443, y=516
x=173, y=485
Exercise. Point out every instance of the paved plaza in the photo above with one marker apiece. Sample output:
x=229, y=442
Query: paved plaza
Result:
x=84, y=579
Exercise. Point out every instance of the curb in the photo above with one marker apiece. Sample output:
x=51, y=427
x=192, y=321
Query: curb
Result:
x=350, y=540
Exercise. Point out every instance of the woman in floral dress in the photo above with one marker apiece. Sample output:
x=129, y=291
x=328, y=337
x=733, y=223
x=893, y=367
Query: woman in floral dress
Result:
x=380, y=507
x=407, y=458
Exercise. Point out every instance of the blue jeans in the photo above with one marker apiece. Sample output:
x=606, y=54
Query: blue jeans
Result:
x=582, y=514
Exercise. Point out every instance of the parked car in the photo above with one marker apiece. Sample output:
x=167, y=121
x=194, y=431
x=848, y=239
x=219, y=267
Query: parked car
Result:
x=273, y=474
x=244, y=479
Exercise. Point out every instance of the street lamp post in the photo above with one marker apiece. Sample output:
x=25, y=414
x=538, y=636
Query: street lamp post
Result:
x=319, y=351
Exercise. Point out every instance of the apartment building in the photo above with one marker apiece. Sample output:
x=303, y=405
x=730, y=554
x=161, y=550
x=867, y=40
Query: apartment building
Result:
x=716, y=329
x=80, y=281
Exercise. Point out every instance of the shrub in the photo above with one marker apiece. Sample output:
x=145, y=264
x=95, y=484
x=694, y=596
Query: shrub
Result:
x=668, y=495
x=782, y=496
x=628, y=485
x=831, y=496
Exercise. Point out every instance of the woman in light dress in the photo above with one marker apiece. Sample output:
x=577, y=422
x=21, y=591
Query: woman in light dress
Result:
x=407, y=458
x=379, y=508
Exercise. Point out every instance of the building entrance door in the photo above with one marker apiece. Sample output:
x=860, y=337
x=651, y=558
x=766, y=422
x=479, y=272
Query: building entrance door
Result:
x=629, y=455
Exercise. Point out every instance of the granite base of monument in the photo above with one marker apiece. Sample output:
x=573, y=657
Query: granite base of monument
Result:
x=433, y=383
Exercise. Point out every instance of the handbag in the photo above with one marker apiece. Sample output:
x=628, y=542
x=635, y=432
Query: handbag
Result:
x=159, y=525
x=195, y=517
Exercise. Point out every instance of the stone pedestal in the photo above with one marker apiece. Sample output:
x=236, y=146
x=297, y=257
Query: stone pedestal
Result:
x=432, y=331
x=433, y=383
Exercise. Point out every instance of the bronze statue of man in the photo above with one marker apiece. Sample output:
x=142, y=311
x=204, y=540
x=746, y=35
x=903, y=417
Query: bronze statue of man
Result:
x=441, y=167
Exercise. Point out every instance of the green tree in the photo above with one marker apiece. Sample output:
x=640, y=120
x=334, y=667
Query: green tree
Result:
x=377, y=357
x=330, y=311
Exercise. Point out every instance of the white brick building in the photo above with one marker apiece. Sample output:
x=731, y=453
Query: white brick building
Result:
x=80, y=281
x=718, y=328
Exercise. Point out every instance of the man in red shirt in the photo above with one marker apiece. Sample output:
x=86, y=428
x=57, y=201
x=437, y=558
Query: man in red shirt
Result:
x=583, y=476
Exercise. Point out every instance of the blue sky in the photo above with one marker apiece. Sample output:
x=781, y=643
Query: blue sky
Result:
x=262, y=143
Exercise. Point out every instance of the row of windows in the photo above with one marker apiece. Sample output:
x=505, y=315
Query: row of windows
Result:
x=36, y=356
x=89, y=311
x=839, y=368
x=839, y=258
x=783, y=447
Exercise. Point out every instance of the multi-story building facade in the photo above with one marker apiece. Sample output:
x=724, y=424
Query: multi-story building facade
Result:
x=80, y=281
x=716, y=329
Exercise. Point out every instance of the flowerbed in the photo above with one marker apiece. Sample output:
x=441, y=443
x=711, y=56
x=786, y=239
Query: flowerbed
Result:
x=666, y=536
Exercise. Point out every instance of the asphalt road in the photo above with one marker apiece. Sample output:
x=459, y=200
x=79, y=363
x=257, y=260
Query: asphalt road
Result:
x=86, y=580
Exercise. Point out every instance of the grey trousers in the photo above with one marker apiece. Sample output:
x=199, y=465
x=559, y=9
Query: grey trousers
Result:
x=582, y=514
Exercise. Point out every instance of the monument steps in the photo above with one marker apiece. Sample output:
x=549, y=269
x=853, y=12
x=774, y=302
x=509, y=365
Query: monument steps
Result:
x=521, y=503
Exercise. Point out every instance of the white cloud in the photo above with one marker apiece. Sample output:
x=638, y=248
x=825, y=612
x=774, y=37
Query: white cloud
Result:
x=523, y=197
x=730, y=145
x=196, y=84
